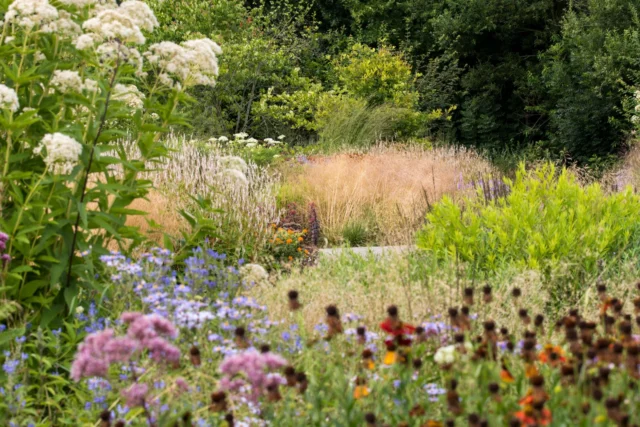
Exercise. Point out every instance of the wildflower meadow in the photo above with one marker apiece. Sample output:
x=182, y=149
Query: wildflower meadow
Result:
x=254, y=213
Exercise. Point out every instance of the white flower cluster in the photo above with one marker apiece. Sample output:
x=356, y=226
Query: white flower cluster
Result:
x=78, y=3
x=62, y=151
x=193, y=62
x=109, y=52
x=31, y=13
x=124, y=23
x=129, y=94
x=69, y=81
x=8, y=99
x=445, y=355
x=64, y=26
x=243, y=139
x=253, y=273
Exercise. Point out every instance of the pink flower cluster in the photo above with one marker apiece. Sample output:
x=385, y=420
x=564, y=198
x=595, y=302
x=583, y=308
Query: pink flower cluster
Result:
x=146, y=332
x=4, y=258
x=253, y=369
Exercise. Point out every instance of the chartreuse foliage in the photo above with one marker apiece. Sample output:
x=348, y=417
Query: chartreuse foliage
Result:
x=548, y=219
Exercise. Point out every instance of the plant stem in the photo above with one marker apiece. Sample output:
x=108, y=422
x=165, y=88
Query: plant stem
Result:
x=83, y=190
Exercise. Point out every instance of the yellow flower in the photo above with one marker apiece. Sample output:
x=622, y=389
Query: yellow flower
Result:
x=390, y=358
x=360, y=391
x=304, y=231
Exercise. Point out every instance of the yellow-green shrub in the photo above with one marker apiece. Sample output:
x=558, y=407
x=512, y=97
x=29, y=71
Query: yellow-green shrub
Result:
x=547, y=220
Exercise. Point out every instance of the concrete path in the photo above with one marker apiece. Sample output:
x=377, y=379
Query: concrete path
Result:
x=365, y=251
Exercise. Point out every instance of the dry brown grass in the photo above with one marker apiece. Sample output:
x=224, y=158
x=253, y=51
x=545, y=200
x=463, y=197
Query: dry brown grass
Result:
x=388, y=188
x=628, y=173
x=161, y=210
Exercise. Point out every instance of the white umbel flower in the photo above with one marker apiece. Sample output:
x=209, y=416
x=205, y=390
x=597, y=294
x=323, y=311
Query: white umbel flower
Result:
x=8, y=99
x=129, y=94
x=194, y=62
x=31, y=13
x=61, y=151
x=64, y=26
x=113, y=24
x=140, y=13
x=66, y=81
x=78, y=3
x=253, y=273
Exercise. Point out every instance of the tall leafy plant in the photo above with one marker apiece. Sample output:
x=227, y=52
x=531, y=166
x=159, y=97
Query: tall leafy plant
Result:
x=73, y=86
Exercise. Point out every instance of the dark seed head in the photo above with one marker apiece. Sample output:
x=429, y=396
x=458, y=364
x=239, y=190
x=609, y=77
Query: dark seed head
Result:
x=370, y=418
x=489, y=326
x=289, y=370
x=516, y=292
x=523, y=312
x=537, y=380
x=538, y=320
x=494, y=388
x=392, y=311
x=194, y=351
x=332, y=310
x=265, y=348
x=293, y=295
x=240, y=332
x=486, y=290
x=361, y=330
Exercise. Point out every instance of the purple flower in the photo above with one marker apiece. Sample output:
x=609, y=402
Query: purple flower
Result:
x=135, y=394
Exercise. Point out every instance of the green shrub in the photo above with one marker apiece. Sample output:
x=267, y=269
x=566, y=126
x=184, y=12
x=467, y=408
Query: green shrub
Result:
x=377, y=75
x=548, y=220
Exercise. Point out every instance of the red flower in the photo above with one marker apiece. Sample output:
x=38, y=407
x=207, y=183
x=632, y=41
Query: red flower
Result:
x=399, y=331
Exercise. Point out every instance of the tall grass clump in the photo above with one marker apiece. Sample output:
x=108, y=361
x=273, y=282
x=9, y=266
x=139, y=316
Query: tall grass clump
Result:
x=235, y=199
x=547, y=221
x=385, y=189
x=350, y=122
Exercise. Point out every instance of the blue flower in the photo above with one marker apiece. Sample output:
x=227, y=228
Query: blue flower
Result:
x=21, y=340
x=10, y=366
x=3, y=327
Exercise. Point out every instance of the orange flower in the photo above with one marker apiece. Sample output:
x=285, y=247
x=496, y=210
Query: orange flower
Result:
x=506, y=376
x=306, y=251
x=390, y=358
x=360, y=391
x=531, y=370
x=290, y=258
x=289, y=231
x=289, y=241
x=528, y=417
x=549, y=350
x=299, y=249
x=300, y=239
x=304, y=231
x=432, y=423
